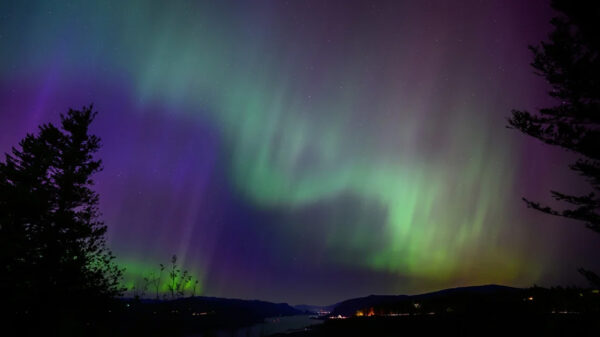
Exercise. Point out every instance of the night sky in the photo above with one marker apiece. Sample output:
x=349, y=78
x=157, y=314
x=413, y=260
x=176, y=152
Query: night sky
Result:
x=306, y=151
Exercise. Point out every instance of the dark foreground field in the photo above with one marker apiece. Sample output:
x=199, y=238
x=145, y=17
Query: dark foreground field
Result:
x=458, y=325
x=489, y=310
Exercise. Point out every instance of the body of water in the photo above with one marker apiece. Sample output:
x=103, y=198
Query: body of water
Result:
x=270, y=326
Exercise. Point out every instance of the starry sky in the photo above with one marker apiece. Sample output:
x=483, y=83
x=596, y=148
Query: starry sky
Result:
x=305, y=151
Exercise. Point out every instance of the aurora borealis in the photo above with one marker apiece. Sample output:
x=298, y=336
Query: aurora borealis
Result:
x=305, y=151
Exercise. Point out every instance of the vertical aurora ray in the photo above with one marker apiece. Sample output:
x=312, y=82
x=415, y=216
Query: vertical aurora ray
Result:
x=312, y=142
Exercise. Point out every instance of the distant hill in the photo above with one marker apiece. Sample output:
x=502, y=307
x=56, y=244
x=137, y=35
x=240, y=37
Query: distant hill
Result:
x=483, y=289
x=259, y=309
x=449, y=299
x=196, y=314
x=489, y=310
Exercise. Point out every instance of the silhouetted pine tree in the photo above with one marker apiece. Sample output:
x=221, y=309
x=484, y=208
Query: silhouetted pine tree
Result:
x=53, y=257
x=570, y=63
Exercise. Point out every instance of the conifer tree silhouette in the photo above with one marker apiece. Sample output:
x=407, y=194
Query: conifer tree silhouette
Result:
x=570, y=63
x=53, y=255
